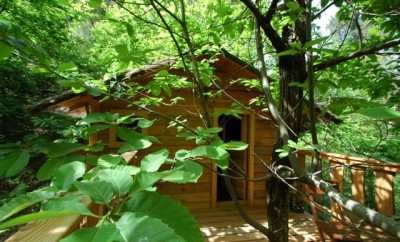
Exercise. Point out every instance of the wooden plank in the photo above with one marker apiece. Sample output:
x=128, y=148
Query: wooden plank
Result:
x=357, y=185
x=384, y=195
x=214, y=178
x=94, y=107
x=337, y=177
x=250, y=165
x=50, y=230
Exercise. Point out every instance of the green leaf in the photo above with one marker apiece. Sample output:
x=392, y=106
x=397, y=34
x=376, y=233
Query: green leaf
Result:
x=153, y=161
x=68, y=66
x=314, y=42
x=99, y=191
x=23, y=201
x=102, y=233
x=169, y=211
x=144, y=123
x=63, y=148
x=13, y=163
x=48, y=169
x=235, y=145
x=213, y=152
x=137, y=227
x=108, y=118
x=33, y=217
x=146, y=180
x=380, y=113
x=70, y=203
x=133, y=139
x=95, y=3
x=5, y=50
x=110, y=160
x=95, y=128
x=120, y=179
x=67, y=174
x=187, y=172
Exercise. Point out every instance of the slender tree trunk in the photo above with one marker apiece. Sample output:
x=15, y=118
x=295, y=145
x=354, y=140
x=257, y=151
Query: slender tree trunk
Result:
x=292, y=69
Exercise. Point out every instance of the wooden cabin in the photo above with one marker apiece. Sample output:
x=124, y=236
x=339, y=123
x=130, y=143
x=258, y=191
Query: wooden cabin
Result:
x=254, y=128
x=208, y=199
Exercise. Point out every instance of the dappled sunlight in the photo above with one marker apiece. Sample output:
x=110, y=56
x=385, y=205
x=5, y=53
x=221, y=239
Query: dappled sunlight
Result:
x=224, y=224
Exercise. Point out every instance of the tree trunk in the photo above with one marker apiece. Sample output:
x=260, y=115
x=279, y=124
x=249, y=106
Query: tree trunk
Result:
x=292, y=69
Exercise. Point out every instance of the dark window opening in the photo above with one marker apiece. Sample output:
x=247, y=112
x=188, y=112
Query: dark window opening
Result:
x=232, y=131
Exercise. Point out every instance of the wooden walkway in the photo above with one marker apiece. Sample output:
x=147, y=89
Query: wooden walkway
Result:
x=224, y=224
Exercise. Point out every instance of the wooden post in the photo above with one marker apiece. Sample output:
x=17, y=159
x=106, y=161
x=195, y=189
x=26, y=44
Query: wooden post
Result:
x=250, y=165
x=384, y=195
x=357, y=185
x=337, y=177
x=214, y=176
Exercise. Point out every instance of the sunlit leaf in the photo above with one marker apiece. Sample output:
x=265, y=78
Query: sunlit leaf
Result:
x=153, y=161
x=169, y=211
x=140, y=227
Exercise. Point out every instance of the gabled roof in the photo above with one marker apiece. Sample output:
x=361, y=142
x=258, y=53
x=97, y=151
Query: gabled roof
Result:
x=227, y=67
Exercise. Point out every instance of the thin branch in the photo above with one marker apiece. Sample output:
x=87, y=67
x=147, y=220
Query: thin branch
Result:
x=367, y=51
x=318, y=14
x=359, y=30
x=271, y=11
x=347, y=31
x=269, y=31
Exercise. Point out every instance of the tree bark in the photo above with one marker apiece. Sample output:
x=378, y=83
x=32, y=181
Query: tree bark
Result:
x=292, y=69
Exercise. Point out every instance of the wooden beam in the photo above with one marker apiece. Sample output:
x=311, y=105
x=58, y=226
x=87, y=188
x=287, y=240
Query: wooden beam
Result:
x=384, y=195
x=357, y=185
x=337, y=178
x=250, y=165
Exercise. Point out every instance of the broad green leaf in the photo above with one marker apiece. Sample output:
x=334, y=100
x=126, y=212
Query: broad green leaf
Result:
x=33, y=217
x=130, y=169
x=63, y=148
x=235, y=145
x=13, y=163
x=68, y=173
x=133, y=139
x=110, y=160
x=220, y=155
x=71, y=203
x=146, y=180
x=381, y=113
x=137, y=227
x=99, y=191
x=119, y=178
x=169, y=211
x=153, y=161
x=48, y=169
x=5, y=50
x=187, y=172
x=23, y=201
x=102, y=233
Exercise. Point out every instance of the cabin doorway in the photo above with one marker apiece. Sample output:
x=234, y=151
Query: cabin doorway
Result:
x=233, y=129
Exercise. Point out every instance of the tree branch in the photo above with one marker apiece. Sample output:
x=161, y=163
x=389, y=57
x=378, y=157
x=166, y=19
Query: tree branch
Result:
x=360, y=53
x=271, y=11
x=269, y=31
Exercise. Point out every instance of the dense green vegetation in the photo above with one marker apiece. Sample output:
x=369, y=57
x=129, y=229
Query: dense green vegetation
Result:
x=49, y=46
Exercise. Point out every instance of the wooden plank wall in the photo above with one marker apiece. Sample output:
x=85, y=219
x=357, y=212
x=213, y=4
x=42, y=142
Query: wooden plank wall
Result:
x=202, y=194
x=264, y=140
